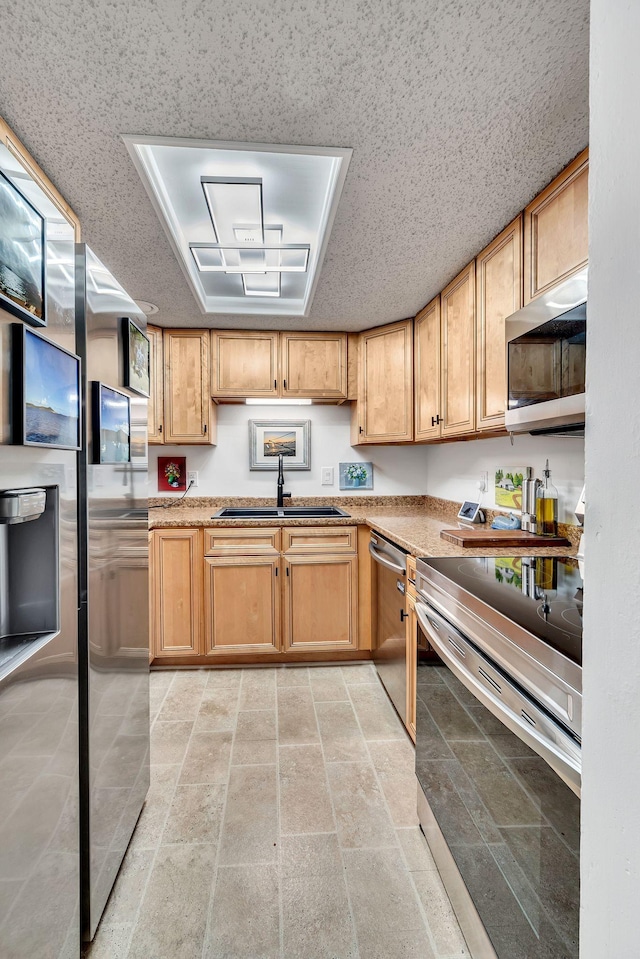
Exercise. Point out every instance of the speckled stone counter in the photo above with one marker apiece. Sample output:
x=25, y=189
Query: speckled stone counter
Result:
x=413, y=522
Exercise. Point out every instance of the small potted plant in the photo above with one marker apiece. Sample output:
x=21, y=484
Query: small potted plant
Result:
x=356, y=473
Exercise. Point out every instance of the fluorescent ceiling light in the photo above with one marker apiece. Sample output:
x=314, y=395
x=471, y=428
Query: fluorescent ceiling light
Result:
x=255, y=401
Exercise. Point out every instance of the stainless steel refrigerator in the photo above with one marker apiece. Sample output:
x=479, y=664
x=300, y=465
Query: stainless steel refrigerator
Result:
x=113, y=614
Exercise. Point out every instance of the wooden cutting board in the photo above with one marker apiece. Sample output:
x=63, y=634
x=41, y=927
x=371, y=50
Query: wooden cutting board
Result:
x=496, y=538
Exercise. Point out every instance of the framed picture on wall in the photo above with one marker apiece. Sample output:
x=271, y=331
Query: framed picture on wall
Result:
x=269, y=438
x=172, y=474
x=46, y=391
x=22, y=256
x=137, y=358
x=111, y=415
x=356, y=475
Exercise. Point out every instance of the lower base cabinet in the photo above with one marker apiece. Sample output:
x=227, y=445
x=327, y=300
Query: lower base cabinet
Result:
x=320, y=602
x=176, y=589
x=412, y=664
x=242, y=604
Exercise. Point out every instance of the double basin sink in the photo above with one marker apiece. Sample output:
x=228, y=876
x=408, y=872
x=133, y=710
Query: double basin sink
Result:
x=283, y=512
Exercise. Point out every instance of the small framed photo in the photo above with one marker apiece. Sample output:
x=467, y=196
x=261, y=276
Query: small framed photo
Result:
x=269, y=438
x=22, y=256
x=137, y=358
x=46, y=392
x=111, y=415
x=172, y=474
x=356, y=475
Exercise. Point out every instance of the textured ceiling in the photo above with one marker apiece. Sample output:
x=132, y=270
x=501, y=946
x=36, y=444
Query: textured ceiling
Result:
x=458, y=112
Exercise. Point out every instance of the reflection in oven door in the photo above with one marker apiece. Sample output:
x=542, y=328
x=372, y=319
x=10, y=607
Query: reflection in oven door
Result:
x=509, y=821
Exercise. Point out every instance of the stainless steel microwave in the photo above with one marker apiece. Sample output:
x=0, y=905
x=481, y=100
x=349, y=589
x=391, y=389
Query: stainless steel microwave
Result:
x=546, y=361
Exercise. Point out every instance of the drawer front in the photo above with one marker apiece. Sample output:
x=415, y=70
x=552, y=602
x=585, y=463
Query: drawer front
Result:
x=319, y=539
x=232, y=541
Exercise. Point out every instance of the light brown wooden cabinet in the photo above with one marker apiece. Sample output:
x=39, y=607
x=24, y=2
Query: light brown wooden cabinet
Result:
x=498, y=295
x=176, y=587
x=314, y=365
x=556, y=237
x=189, y=414
x=320, y=601
x=412, y=663
x=244, y=364
x=155, y=407
x=242, y=604
x=426, y=351
x=384, y=410
x=458, y=350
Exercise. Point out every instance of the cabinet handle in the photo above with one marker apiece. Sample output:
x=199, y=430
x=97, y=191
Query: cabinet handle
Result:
x=276, y=570
x=361, y=430
x=204, y=427
x=287, y=570
x=435, y=420
x=275, y=384
x=403, y=615
x=160, y=428
x=285, y=384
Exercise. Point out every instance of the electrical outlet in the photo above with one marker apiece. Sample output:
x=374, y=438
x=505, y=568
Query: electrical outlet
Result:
x=327, y=476
x=192, y=478
x=483, y=482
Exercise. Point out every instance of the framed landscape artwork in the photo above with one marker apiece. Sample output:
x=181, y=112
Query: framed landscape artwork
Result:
x=46, y=392
x=22, y=256
x=137, y=373
x=111, y=416
x=268, y=438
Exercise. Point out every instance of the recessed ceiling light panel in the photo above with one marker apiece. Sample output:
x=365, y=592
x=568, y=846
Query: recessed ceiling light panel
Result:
x=249, y=223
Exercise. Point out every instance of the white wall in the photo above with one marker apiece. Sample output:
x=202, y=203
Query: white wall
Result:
x=454, y=469
x=224, y=469
x=611, y=682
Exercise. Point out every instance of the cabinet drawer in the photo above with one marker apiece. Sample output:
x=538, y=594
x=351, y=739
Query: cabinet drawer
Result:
x=230, y=541
x=317, y=539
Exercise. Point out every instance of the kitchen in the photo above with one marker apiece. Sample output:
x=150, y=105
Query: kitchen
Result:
x=442, y=472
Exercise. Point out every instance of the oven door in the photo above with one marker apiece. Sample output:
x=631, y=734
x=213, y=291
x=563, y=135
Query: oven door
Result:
x=508, y=822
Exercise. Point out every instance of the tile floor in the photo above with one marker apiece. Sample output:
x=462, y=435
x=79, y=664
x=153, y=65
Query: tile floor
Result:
x=280, y=822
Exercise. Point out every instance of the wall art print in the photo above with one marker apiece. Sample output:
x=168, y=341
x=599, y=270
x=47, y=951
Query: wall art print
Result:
x=22, y=255
x=172, y=474
x=508, y=488
x=137, y=358
x=269, y=438
x=111, y=414
x=356, y=475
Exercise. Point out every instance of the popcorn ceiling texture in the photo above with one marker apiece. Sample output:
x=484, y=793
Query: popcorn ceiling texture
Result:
x=458, y=111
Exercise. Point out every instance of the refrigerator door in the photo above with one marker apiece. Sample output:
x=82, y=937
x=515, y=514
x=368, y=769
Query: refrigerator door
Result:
x=39, y=861
x=114, y=612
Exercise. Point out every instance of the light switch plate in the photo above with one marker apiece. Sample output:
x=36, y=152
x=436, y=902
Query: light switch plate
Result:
x=192, y=478
x=327, y=476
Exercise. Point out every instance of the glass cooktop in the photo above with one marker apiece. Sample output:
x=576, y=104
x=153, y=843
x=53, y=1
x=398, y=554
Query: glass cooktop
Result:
x=542, y=594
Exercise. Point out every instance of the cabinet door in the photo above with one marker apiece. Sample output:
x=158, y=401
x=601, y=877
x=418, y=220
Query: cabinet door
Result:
x=385, y=405
x=156, y=392
x=426, y=349
x=498, y=295
x=176, y=582
x=314, y=365
x=412, y=663
x=189, y=414
x=244, y=363
x=556, y=241
x=242, y=604
x=320, y=601
x=458, y=354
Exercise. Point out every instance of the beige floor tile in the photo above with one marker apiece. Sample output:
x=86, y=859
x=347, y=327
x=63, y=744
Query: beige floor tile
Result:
x=310, y=855
x=416, y=852
x=153, y=817
x=207, y=757
x=359, y=805
x=183, y=697
x=172, y=919
x=316, y=919
x=195, y=814
x=169, y=742
x=340, y=733
x=440, y=915
x=375, y=713
x=255, y=725
x=218, y=710
x=292, y=676
x=327, y=684
x=111, y=942
x=305, y=805
x=244, y=920
x=296, y=716
x=250, y=830
x=223, y=678
x=129, y=888
x=359, y=673
x=258, y=689
x=394, y=764
x=253, y=752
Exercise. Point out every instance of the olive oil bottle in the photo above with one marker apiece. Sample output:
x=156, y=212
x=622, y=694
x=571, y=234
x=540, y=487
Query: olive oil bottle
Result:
x=547, y=506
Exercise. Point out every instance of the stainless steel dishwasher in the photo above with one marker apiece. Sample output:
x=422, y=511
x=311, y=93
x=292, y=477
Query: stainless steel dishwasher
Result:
x=389, y=640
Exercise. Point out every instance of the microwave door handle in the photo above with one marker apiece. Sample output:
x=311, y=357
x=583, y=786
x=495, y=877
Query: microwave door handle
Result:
x=450, y=646
x=380, y=558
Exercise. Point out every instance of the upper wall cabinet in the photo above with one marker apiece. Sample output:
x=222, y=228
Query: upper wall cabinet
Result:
x=155, y=433
x=314, y=365
x=244, y=364
x=384, y=411
x=426, y=354
x=189, y=416
x=498, y=295
x=458, y=345
x=556, y=230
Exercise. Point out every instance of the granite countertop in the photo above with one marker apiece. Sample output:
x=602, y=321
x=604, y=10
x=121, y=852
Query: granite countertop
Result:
x=413, y=522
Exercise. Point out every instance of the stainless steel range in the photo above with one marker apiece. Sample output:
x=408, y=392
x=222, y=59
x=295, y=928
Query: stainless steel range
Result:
x=498, y=747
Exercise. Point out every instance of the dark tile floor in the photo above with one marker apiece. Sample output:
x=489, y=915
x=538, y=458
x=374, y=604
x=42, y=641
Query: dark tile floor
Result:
x=280, y=823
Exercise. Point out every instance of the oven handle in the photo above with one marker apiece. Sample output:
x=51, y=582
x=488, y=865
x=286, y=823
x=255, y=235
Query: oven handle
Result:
x=379, y=558
x=438, y=630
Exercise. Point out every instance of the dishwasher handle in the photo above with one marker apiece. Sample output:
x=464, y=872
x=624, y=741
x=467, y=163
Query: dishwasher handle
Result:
x=385, y=561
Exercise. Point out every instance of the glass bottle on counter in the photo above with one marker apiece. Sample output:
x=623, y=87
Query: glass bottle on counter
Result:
x=547, y=506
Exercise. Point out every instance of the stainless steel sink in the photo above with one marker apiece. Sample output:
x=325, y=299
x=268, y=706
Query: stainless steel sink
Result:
x=272, y=512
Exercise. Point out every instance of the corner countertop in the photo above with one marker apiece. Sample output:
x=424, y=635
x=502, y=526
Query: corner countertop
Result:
x=412, y=522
